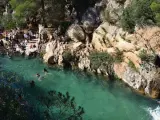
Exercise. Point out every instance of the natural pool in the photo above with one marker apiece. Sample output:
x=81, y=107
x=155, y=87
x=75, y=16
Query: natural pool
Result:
x=100, y=99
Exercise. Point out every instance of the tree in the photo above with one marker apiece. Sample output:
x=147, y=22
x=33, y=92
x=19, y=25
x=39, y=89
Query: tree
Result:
x=25, y=11
x=138, y=13
x=53, y=105
x=64, y=106
x=155, y=6
x=10, y=107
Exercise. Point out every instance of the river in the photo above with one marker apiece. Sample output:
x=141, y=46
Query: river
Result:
x=101, y=100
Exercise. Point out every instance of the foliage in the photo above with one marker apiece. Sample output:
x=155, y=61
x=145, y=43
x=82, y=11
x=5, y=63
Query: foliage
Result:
x=67, y=56
x=54, y=104
x=10, y=106
x=64, y=105
x=155, y=6
x=7, y=22
x=146, y=57
x=118, y=58
x=102, y=59
x=23, y=10
x=138, y=13
x=132, y=65
x=41, y=11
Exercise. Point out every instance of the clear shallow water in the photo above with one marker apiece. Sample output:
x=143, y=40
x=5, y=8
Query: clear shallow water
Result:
x=101, y=100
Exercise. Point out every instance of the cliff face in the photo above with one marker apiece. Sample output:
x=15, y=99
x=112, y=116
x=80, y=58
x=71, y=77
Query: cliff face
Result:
x=138, y=72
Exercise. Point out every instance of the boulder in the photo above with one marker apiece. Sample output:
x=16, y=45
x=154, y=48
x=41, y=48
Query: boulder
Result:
x=90, y=19
x=76, y=33
x=112, y=11
x=99, y=41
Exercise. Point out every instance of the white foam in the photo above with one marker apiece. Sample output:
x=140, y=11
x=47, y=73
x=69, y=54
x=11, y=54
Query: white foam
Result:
x=155, y=113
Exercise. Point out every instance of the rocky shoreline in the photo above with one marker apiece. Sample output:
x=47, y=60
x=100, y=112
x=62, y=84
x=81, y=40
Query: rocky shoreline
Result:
x=138, y=53
x=143, y=76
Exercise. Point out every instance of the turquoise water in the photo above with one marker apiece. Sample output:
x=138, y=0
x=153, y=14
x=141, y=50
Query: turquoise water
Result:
x=100, y=99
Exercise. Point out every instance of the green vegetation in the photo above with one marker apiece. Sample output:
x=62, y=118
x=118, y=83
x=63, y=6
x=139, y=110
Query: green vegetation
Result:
x=8, y=22
x=118, y=58
x=64, y=105
x=53, y=105
x=10, y=107
x=102, y=59
x=155, y=6
x=105, y=60
x=132, y=65
x=67, y=56
x=146, y=56
x=138, y=13
x=50, y=13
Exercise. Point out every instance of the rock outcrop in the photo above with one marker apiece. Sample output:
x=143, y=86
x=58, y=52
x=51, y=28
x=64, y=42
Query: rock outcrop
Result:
x=145, y=79
x=76, y=33
x=53, y=53
x=109, y=37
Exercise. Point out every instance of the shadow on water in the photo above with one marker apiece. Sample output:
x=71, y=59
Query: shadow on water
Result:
x=29, y=94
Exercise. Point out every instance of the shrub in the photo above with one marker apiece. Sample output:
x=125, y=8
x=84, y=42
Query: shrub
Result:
x=146, y=57
x=138, y=13
x=119, y=56
x=132, y=65
x=155, y=6
x=64, y=105
x=67, y=56
x=100, y=58
x=7, y=22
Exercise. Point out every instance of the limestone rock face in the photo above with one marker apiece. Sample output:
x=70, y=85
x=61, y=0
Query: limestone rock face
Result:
x=84, y=63
x=147, y=38
x=76, y=33
x=125, y=46
x=99, y=40
x=54, y=51
x=147, y=78
x=90, y=19
x=132, y=57
x=113, y=10
x=106, y=36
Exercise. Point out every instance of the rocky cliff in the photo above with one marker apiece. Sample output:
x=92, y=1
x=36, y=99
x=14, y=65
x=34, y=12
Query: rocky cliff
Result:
x=101, y=31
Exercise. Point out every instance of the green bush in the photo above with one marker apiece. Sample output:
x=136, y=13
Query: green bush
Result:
x=132, y=65
x=138, y=13
x=119, y=56
x=105, y=60
x=7, y=22
x=100, y=58
x=146, y=57
x=67, y=56
x=155, y=6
